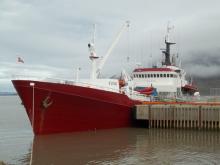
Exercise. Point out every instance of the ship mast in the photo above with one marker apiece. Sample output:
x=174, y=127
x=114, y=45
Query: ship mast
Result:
x=166, y=51
x=93, y=56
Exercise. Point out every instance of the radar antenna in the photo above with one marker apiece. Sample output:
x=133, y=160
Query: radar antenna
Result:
x=166, y=51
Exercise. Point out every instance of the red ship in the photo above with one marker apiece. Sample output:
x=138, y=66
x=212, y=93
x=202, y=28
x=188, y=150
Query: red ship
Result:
x=67, y=106
x=55, y=107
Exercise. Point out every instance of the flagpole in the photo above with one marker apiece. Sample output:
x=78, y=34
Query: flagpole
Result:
x=32, y=84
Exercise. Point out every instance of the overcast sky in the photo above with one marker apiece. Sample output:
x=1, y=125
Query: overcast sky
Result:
x=52, y=35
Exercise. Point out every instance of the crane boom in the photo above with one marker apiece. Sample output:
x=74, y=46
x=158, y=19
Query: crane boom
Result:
x=102, y=62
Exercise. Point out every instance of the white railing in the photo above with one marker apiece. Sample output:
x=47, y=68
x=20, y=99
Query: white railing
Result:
x=140, y=97
x=202, y=99
x=131, y=94
x=214, y=91
x=82, y=84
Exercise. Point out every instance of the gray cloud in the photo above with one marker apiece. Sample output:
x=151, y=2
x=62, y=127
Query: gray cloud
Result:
x=54, y=34
x=203, y=63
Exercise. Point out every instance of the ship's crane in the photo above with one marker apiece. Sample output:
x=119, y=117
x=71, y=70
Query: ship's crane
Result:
x=102, y=62
x=96, y=69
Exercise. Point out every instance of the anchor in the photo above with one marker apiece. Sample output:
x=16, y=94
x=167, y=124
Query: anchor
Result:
x=47, y=102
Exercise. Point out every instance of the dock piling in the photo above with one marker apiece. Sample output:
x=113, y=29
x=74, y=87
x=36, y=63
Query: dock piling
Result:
x=180, y=116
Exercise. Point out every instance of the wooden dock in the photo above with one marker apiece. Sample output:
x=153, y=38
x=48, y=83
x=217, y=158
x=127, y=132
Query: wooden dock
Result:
x=193, y=116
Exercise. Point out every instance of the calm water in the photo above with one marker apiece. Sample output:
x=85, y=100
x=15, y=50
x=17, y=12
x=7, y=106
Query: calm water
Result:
x=116, y=146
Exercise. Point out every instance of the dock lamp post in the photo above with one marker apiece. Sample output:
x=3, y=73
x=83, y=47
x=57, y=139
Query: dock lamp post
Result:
x=32, y=84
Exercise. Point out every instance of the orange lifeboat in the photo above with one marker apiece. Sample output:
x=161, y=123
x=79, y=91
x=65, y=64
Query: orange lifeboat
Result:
x=146, y=91
x=121, y=83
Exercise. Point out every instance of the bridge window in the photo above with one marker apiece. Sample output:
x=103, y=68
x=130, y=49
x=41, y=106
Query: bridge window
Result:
x=161, y=75
x=158, y=75
x=154, y=75
x=164, y=75
x=168, y=75
x=171, y=75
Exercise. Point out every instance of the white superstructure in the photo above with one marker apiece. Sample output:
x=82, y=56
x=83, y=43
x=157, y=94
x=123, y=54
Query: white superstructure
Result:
x=168, y=80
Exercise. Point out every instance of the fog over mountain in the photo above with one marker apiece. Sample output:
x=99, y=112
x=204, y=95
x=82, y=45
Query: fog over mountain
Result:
x=51, y=36
x=204, y=64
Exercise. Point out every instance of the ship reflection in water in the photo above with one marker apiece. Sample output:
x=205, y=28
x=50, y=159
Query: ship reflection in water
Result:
x=127, y=146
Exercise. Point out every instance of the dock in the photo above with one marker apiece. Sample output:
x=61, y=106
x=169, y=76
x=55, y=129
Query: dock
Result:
x=174, y=115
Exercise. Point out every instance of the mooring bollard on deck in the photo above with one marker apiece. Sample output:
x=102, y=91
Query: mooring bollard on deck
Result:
x=184, y=116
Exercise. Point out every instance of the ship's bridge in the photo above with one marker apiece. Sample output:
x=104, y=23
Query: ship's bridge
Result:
x=165, y=80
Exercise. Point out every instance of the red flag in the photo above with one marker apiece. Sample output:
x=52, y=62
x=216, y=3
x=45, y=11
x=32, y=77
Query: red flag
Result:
x=20, y=60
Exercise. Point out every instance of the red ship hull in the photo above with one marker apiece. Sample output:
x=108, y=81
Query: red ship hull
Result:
x=56, y=108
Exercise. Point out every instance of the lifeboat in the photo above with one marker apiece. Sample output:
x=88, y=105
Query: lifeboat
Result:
x=189, y=89
x=146, y=91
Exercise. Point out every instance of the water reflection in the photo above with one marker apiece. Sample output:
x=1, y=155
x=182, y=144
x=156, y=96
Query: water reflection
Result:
x=128, y=146
x=82, y=148
x=162, y=146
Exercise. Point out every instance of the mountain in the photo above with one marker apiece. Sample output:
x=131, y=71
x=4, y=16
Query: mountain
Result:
x=7, y=93
x=206, y=85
